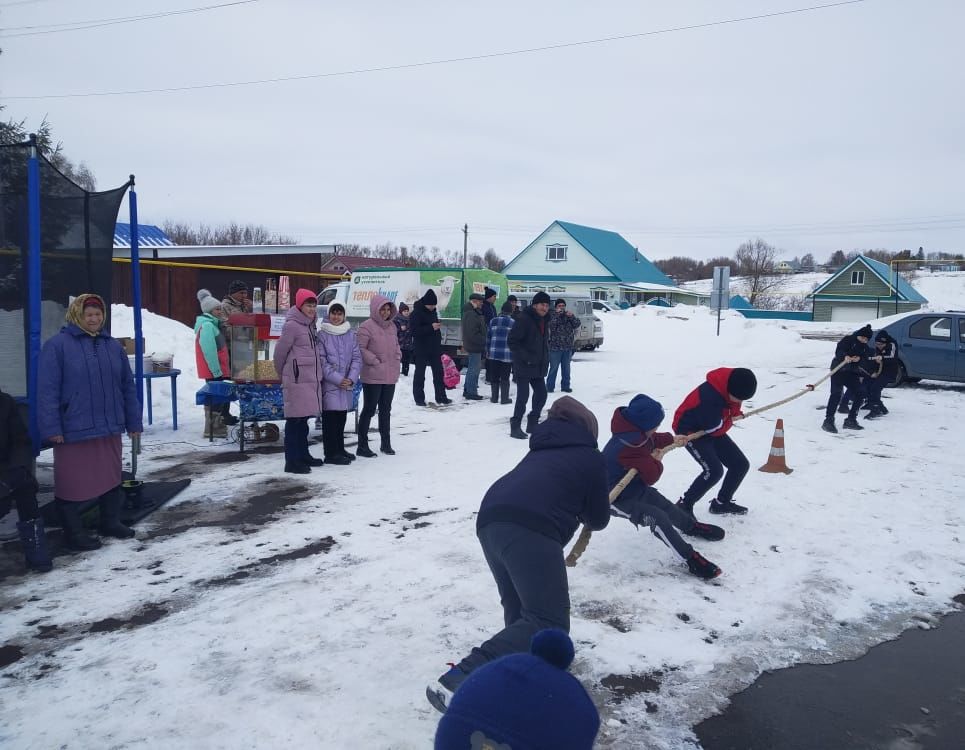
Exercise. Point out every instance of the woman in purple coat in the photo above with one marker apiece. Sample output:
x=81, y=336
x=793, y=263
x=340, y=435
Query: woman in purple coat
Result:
x=381, y=354
x=296, y=361
x=341, y=362
x=86, y=400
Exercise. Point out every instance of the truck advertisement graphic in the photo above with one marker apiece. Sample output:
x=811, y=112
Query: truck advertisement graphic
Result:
x=452, y=287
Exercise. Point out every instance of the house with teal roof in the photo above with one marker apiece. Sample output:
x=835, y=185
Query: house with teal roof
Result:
x=863, y=290
x=572, y=259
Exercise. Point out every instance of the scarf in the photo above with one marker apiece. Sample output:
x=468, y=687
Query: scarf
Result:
x=336, y=330
x=75, y=312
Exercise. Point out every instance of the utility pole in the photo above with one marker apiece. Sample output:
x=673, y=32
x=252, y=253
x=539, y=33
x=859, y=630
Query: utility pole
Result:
x=465, y=245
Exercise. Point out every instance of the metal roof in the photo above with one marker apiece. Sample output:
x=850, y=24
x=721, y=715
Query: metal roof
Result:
x=905, y=290
x=148, y=235
x=621, y=258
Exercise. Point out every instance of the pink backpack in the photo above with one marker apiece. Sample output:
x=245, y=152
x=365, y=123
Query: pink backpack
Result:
x=450, y=373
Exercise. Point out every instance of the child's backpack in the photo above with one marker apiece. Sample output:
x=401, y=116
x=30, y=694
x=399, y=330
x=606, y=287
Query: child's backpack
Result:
x=450, y=373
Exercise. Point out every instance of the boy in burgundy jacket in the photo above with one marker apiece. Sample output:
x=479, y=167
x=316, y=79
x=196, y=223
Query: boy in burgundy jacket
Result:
x=635, y=438
x=711, y=408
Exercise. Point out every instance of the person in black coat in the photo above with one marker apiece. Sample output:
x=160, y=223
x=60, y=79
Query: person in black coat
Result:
x=427, y=341
x=853, y=350
x=18, y=486
x=526, y=518
x=529, y=346
x=886, y=348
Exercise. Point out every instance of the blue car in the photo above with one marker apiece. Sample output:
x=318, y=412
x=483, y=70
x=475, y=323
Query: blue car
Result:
x=930, y=345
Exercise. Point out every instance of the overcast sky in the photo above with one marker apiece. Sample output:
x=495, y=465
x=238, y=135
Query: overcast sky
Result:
x=836, y=128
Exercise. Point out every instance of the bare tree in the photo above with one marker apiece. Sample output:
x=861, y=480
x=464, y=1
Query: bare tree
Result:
x=755, y=263
x=807, y=262
x=227, y=234
x=492, y=261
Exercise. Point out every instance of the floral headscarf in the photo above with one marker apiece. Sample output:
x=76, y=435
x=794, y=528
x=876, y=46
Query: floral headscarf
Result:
x=75, y=313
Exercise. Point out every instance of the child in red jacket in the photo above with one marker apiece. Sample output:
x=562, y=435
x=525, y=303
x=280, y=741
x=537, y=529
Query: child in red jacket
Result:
x=711, y=408
x=635, y=438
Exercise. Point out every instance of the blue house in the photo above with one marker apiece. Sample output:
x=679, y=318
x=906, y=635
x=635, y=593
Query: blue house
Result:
x=572, y=259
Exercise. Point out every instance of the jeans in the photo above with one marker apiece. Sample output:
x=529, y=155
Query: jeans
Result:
x=559, y=360
x=471, y=386
x=296, y=440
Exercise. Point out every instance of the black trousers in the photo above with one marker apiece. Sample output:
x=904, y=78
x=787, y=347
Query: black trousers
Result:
x=499, y=372
x=531, y=579
x=376, y=396
x=434, y=361
x=839, y=381
x=21, y=491
x=333, y=433
x=522, y=396
x=406, y=360
x=645, y=506
x=875, y=386
x=714, y=454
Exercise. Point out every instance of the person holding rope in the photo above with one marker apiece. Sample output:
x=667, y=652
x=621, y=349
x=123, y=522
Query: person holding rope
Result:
x=852, y=351
x=887, y=349
x=711, y=408
x=636, y=444
x=526, y=519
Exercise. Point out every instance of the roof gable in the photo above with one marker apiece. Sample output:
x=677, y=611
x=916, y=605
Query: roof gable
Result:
x=905, y=290
x=621, y=258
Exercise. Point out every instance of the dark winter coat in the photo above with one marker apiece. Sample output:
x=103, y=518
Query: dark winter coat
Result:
x=426, y=340
x=562, y=331
x=889, y=356
x=849, y=346
x=489, y=312
x=473, y=329
x=560, y=483
x=403, y=326
x=528, y=343
x=630, y=448
x=707, y=408
x=85, y=388
x=497, y=345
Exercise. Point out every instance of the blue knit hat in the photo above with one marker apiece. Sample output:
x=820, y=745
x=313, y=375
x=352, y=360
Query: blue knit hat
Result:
x=643, y=412
x=523, y=702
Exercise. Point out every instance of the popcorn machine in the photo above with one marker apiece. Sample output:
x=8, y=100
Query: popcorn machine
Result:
x=249, y=346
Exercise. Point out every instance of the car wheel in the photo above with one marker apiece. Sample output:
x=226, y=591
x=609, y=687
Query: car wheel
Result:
x=902, y=376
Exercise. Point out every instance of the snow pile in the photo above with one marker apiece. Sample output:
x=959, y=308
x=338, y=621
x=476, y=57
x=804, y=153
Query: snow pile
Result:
x=228, y=632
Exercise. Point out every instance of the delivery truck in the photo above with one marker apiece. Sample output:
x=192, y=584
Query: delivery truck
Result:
x=451, y=285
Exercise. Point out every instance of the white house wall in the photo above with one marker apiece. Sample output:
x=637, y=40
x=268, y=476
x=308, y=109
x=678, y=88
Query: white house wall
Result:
x=532, y=261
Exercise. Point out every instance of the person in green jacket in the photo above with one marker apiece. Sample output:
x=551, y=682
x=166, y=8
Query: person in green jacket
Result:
x=211, y=356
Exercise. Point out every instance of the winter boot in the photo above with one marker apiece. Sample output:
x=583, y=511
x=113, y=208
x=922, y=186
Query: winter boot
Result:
x=701, y=567
x=531, y=421
x=828, y=426
x=728, y=507
x=706, y=531
x=309, y=460
x=75, y=536
x=34, y=542
x=440, y=692
x=363, y=447
x=494, y=392
x=844, y=408
x=504, y=393
x=515, y=431
x=297, y=467
x=851, y=423
x=882, y=408
x=214, y=426
x=110, y=512
x=686, y=507
x=385, y=434
x=874, y=413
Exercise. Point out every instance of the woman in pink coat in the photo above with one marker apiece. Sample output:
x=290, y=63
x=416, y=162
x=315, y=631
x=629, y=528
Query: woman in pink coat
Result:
x=381, y=355
x=296, y=361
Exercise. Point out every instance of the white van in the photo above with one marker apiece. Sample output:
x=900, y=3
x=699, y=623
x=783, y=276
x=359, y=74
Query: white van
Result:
x=590, y=334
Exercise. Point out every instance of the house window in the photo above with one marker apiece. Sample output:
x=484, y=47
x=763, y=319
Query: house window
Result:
x=857, y=278
x=556, y=253
x=599, y=294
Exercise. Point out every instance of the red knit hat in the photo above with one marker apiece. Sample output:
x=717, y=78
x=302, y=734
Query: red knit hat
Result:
x=302, y=295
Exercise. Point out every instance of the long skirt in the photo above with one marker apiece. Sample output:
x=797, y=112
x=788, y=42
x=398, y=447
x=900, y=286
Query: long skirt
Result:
x=88, y=469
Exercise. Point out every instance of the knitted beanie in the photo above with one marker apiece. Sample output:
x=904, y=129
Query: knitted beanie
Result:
x=643, y=412
x=302, y=295
x=865, y=331
x=541, y=297
x=207, y=302
x=742, y=383
x=237, y=286
x=522, y=701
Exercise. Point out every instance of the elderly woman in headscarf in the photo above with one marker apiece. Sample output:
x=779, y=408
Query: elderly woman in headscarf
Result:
x=86, y=400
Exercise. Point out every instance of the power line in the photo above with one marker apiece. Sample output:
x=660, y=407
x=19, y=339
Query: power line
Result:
x=58, y=28
x=447, y=61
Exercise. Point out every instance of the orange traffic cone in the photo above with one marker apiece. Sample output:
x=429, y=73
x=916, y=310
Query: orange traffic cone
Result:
x=775, y=461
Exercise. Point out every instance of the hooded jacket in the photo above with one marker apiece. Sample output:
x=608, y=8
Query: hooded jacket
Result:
x=707, y=408
x=210, y=347
x=340, y=358
x=473, y=329
x=379, y=345
x=560, y=483
x=630, y=448
x=296, y=361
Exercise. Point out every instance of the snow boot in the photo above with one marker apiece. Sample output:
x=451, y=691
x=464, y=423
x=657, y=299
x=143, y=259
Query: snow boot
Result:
x=515, y=431
x=531, y=421
x=34, y=542
x=726, y=508
x=110, y=515
x=851, y=424
x=874, y=413
x=701, y=567
x=309, y=460
x=297, y=467
x=686, y=507
x=706, y=531
x=828, y=426
x=362, y=449
x=504, y=393
x=440, y=692
x=385, y=434
x=75, y=535
x=494, y=392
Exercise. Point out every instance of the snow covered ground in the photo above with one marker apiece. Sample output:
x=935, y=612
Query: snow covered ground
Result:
x=261, y=609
